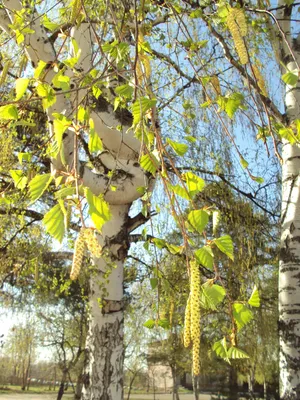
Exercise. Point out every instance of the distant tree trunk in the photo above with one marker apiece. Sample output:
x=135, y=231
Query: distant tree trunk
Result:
x=62, y=385
x=233, y=395
x=175, y=385
x=78, y=388
x=196, y=386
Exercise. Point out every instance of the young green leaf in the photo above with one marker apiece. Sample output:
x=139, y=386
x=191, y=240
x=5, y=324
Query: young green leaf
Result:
x=21, y=87
x=149, y=163
x=211, y=295
x=95, y=143
x=38, y=185
x=54, y=222
x=290, y=78
x=179, y=148
x=254, y=300
x=20, y=180
x=140, y=107
x=9, y=112
x=198, y=219
x=205, y=257
x=224, y=244
x=220, y=348
x=164, y=323
x=150, y=324
x=241, y=314
x=194, y=183
x=98, y=209
x=235, y=353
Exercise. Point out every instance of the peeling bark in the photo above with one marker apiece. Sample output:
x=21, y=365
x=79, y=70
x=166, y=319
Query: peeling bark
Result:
x=289, y=268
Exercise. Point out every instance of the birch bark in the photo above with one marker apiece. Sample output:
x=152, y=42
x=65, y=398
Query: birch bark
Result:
x=289, y=268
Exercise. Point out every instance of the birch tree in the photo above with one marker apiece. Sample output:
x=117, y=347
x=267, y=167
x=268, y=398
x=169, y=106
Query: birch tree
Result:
x=95, y=107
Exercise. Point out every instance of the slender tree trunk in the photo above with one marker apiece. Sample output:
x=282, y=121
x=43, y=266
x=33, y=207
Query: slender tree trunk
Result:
x=175, y=386
x=196, y=386
x=289, y=269
x=62, y=386
x=103, y=377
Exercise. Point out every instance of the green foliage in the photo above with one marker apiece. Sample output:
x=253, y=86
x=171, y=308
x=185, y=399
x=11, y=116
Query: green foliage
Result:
x=54, y=222
x=98, y=209
x=241, y=314
x=38, y=185
x=254, y=300
x=198, y=219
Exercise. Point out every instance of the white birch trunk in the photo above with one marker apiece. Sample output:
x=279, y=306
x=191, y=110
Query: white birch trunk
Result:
x=289, y=268
x=103, y=377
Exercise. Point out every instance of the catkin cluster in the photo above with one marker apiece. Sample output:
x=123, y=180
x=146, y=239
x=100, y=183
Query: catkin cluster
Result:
x=78, y=256
x=192, y=317
x=260, y=80
x=237, y=26
x=86, y=238
x=92, y=242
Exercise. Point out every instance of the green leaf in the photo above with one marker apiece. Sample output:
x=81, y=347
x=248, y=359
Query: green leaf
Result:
x=173, y=249
x=159, y=243
x=290, y=78
x=39, y=69
x=211, y=295
x=235, y=353
x=224, y=244
x=95, y=143
x=9, y=112
x=54, y=222
x=125, y=91
x=198, y=219
x=230, y=104
x=254, y=300
x=140, y=107
x=150, y=163
x=164, y=323
x=60, y=125
x=51, y=26
x=179, y=190
x=47, y=93
x=153, y=283
x=98, y=209
x=24, y=157
x=150, y=324
x=241, y=314
x=20, y=180
x=288, y=134
x=205, y=257
x=194, y=183
x=220, y=348
x=65, y=192
x=21, y=87
x=38, y=185
x=244, y=163
x=179, y=148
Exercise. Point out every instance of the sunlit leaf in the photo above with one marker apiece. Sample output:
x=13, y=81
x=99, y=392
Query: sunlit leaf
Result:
x=21, y=87
x=150, y=324
x=235, y=353
x=9, y=112
x=20, y=180
x=38, y=185
x=241, y=314
x=198, y=219
x=205, y=256
x=179, y=148
x=254, y=300
x=224, y=244
x=98, y=209
x=54, y=222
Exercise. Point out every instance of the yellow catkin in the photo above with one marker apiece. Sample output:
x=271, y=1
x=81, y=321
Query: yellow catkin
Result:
x=78, y=256
x=216, y=84
x=92, y=243
x=237, y=26
x=260, y=80
x=195, y=315
x=76, y=7
x=187, y=324
x=67, y=216
x=4, y=72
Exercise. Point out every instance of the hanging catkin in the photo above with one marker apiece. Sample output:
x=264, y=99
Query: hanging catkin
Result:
x=78, y=255
x=237, y=26
x=92, y=242
x=192, y=317
x=187, y=324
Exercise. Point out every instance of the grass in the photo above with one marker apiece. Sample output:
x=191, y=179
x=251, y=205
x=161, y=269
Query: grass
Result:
x=32, y=389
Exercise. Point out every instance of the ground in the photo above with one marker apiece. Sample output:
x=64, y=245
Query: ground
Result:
x=30, y=396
